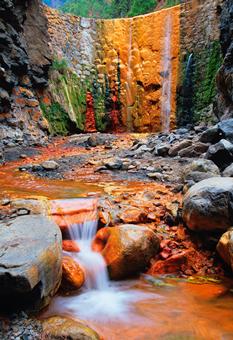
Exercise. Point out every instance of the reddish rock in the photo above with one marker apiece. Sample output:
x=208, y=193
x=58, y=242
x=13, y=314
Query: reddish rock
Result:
x=72, y=274
x=71, y=246
x=188, y=260
x=90, y=114
x=133, y=215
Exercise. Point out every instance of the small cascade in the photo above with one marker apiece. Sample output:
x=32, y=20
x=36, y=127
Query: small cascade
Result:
x=129, y=80
x=80, y=217
x=167, y=77
x=99, y=299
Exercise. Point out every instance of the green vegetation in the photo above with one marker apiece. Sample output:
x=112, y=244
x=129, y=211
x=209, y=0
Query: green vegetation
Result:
x=198, y=91
x=58, y=118
x=207, y=65
x=114, y=8
x=59, y=65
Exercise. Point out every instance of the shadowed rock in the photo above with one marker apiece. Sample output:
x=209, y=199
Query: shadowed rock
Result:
x=30, y=261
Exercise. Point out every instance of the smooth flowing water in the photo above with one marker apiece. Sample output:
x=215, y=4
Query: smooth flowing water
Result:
x=151, y=308
x=167, y=77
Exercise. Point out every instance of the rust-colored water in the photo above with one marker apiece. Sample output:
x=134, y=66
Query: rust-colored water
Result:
x=183, y=311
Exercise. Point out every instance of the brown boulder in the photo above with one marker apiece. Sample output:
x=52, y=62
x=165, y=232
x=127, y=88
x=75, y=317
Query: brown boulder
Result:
x=72, y=274
x=132, y=215
x=225, y=247
x=60, y=328
x=127, y=249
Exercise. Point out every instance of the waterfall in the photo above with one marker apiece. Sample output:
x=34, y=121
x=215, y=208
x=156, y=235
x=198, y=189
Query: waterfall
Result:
x=80, y=215
x=100, y=299
x=167, y=77
x=129, y=79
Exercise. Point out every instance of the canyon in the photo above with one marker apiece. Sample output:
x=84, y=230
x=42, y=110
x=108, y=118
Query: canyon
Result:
x=116, y=173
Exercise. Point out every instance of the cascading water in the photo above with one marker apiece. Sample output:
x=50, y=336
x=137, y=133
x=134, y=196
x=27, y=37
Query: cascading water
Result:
x=100, y=299
x=129, y=80
x=167, y=77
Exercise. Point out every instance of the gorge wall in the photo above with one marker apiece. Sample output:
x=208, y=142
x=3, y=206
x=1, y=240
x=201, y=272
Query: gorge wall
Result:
x=118, y=67
x=200, y=57
x=224, y=103
x=111, y=75
x=24, y=63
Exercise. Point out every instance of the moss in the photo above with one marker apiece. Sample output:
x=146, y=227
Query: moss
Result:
x=57, y=117
x=202, y=85
x=207, y=64
x=60, y=65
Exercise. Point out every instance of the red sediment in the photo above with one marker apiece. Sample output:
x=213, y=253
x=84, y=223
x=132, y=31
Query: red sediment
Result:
x=90, y=125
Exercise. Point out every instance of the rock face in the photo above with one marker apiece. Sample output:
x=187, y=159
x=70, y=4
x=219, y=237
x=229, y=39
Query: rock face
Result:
x=30, y=261
x=60, y=328
x=224, y=107
x=127, y=249
x=208, y=205
x=24, y=63
x=121, y=62
x=225, y=247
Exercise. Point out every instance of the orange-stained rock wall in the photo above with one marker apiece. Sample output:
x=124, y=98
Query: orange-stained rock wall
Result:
x=121, y=62
x=138, y=46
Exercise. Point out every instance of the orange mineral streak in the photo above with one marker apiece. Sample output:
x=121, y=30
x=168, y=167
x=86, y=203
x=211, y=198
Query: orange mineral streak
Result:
x=137, y=45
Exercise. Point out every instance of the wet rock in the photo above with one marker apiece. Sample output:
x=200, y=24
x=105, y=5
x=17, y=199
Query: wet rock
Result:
x=221, y=153
x=60, y=328
x=132, y=215
x=225, y=247
x=32, y=206
x=228, y=172
x=50, y=165
x=178, y=147
x=72, y=274
x=211, y=135
x=127, y=249
x=208, y=205
x=194, y=150
x=70, y=246
x=30, y=261
x=180, y=262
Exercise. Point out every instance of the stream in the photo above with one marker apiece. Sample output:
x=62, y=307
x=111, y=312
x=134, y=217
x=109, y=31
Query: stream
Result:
x=161, y=307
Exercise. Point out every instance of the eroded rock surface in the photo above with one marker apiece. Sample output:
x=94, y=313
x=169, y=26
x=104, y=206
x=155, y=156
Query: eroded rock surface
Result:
x=30, y=261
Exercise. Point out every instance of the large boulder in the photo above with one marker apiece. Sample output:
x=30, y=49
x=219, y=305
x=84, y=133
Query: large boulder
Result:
x=127, y=249
x=221, y=153
x=60, y=328
x=30, y=261
x=225, y=247
x=208, y=205
x=228, y=172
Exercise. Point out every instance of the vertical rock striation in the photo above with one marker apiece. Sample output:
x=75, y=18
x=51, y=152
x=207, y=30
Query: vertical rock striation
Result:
x=224, y=107
x=24, y=63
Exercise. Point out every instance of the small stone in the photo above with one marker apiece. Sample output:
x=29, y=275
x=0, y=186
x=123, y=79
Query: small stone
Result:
x=50, y=165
